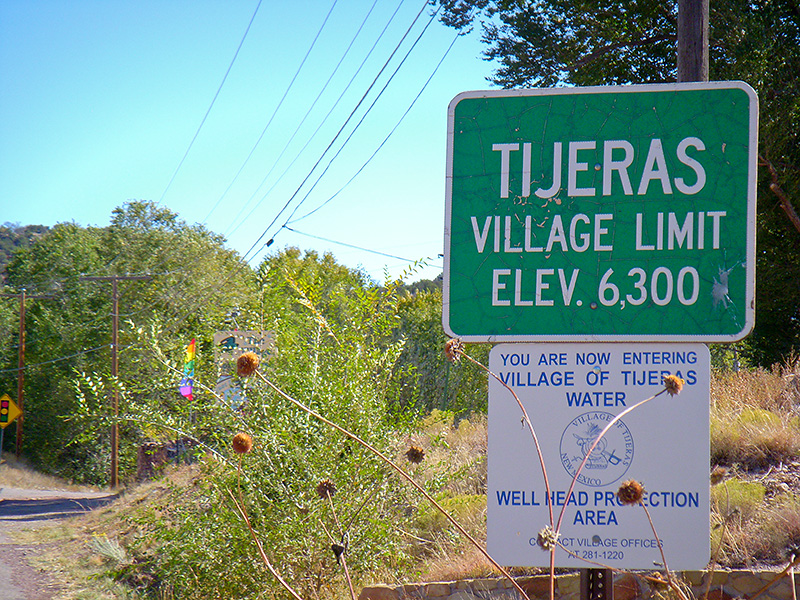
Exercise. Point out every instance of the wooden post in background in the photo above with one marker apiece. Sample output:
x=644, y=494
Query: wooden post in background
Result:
x=692, y=40
x=114, y=279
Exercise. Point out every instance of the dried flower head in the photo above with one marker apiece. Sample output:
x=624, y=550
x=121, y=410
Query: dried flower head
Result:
x=242, y=443
x=718, y=474
x=415, y=454
x=247, y=364
x=326, y=489
x=547, y=538
x=453, y=349
x=674, y=384
x=630, y=492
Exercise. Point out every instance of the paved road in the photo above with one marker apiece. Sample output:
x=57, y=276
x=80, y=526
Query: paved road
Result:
x=34, y=508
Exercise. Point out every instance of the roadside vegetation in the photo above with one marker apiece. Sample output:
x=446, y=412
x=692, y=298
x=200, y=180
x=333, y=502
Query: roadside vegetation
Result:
x=327, y=513
x=179, y=536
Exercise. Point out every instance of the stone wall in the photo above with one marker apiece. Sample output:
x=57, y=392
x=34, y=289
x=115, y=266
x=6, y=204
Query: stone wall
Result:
x=725, y=585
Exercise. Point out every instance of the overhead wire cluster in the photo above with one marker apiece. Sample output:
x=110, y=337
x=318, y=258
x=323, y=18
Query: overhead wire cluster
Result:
x=200, y=296
x=309, y=177
x=285, y=215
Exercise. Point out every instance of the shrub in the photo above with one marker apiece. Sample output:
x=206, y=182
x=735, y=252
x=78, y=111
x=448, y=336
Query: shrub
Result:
x=735, y=495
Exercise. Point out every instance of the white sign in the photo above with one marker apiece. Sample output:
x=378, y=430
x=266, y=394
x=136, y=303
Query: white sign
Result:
x=231, y=391
x=230, y=345
x=571, y=393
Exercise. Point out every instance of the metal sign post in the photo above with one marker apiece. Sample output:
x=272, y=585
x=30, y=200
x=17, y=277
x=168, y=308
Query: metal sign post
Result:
x=597, y=584
x=229, y=345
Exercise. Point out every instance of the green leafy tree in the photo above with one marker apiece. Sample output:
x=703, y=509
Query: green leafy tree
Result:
x=426, y=379
x=540, y=43
x=193, y=282
x=14, y=236
x=335, y=353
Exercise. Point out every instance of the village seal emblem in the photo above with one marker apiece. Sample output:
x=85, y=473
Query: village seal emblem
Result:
x=611, y=457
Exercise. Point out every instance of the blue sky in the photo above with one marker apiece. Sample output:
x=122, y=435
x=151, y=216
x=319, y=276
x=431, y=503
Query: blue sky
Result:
x=100, y=100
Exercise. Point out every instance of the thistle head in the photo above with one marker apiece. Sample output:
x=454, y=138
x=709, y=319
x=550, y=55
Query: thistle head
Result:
x=415, y=454
x=718, y=474
x=673, y=384
x=453, y=349
x=326, y=489
x=547, y=538
x=242, y=443
x=247, y=364
x=630, y=492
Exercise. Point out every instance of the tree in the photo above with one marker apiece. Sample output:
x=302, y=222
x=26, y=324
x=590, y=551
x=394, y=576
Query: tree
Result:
x=14, y=236
x=335, y=353
x=426, y=379
x=194, y=282
x=540, y=43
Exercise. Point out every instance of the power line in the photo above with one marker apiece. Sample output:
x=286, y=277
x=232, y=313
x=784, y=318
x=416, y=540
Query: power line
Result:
x=230, y=66
x=338, y=133
x=308, y=113
x=199, y=295
x=275, y=112
x=204, y=293
x=346, y=244
x=55, y=360
x=364, y=116
x=378, y=149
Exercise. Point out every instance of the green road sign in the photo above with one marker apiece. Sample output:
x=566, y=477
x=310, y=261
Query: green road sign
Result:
x=605, y=213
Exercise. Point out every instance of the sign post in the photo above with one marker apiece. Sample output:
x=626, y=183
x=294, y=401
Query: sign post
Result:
x=229, y=345
x=601, y=214
x=621, y=218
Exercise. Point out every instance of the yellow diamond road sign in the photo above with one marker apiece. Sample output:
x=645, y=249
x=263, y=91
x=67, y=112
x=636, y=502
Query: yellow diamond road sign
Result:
x=8, y=411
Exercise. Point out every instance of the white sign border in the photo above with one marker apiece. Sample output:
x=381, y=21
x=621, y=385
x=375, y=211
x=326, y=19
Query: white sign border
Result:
x=504, y=440
x=749, y=308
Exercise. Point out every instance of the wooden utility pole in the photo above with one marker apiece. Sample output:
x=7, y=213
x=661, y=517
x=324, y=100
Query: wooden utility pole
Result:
x=21, y=360
x=692, y=40
x=598, y=584
x=114, y=279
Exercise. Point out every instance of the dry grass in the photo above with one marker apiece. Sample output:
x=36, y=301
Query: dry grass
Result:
x=469, y=563
x=755, y=417
x=63, y=552
x=83, y=552
x=16, y=473
x=776, y=389
x=455, y=454
x=755, y=432
x=769, y=536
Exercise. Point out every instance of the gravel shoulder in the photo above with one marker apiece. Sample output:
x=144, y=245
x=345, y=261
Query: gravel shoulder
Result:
x=22, y=509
